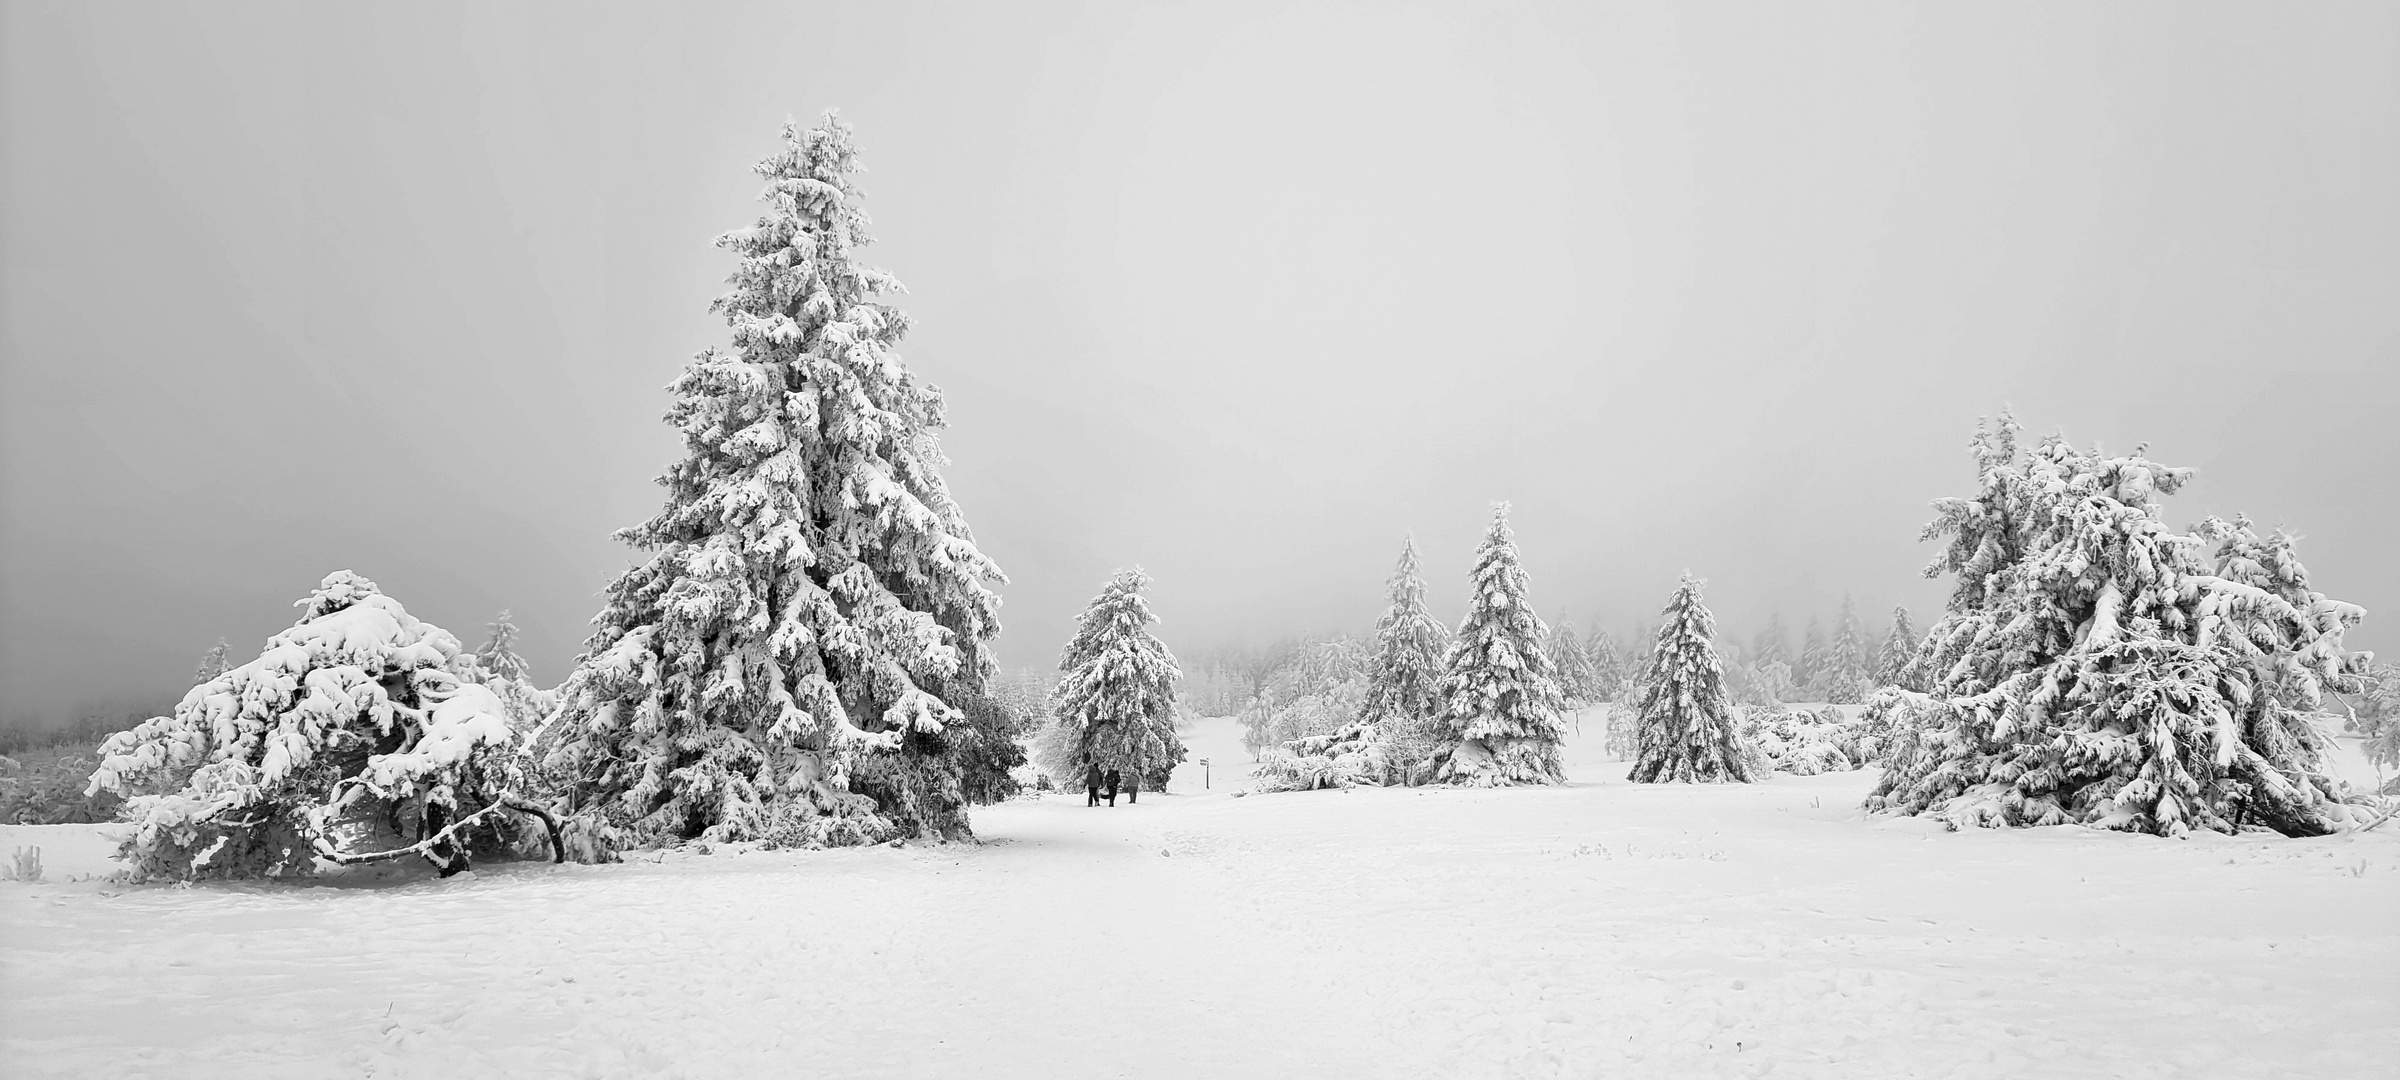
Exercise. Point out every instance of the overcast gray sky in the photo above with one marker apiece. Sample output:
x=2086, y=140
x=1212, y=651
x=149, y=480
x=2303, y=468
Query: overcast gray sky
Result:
x=1240, y=294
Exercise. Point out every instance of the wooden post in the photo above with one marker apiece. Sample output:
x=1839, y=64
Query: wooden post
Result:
x=1204, y=774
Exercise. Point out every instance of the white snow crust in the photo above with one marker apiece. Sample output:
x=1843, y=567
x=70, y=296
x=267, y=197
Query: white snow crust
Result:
x=1601, y=928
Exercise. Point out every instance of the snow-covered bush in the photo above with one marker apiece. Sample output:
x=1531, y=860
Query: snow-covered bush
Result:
x=1351, y=757
x=1501, y=722
x=48, y=786
x=1321, y=713
x=2375, y=717
x=24, y=864
x=1056, y=751
x=352, y=720
x=1116, y=691
x=2096, y=667
x=792, y=662
x=1799, y=742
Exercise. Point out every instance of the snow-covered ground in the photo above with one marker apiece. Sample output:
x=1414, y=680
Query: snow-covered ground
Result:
x=1603, y=929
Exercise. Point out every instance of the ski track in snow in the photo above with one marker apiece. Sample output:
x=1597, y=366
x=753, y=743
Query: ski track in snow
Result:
x=1603, y=929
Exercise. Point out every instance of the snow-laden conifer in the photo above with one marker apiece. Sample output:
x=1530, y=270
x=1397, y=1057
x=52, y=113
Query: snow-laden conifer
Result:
x=1403, y=679
x=791, y=660
x=214, y=662
x=1773, y=643
x=1845, y=679
x=1501, y=706
x=1815, y=651
x=1685, y=728
x=1899, y=647
x=1606, y=664
x=1577, y=684
x=498, y=666
x=2094, y=666
x=498, y=657
x=1403, y=697
x=1117, y=686
x=1767, y=685
x=356, y=716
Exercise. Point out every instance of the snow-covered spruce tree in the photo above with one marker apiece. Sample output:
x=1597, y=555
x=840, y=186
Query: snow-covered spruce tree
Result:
x=798, y=659
x=1606, y=665
x=1576, y=685
x=2095, y=667
x=1846, y=679
x=1767, y=685
x=1685, y=730
x=1773, y=643
x=1500, y=700
x=1899, y=646
x=498, y=666
x=1117, y=686
x=351, y=727
x=1403, y=699
x=214, y=662
x=1320, y=690
x=1808, y=674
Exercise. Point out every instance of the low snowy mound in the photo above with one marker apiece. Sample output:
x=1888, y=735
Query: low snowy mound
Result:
x=351, y=727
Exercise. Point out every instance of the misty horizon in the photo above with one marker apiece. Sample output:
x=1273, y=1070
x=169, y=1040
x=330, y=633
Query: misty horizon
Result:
x=1240, y=297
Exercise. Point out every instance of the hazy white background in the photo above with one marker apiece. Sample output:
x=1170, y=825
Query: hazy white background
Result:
x=1237, y=293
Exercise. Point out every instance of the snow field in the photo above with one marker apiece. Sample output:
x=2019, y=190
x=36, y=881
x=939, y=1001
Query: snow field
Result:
x=1603, y=928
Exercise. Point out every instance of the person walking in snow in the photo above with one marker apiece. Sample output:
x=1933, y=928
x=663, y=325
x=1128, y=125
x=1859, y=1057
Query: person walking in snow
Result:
x=1091, y=784
x=1113, y=777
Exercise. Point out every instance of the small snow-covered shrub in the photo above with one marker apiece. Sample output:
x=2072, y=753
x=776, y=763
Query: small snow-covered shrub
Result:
x=350, y=728
x=1057, y=751
x=2376, y=718
x=47, y=787
x=1355, y=755
x=24, y=864
x=1801, y=743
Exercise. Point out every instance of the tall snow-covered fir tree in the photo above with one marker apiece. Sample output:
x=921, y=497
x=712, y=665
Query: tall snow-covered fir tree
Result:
x=213, y=663
x=802, y=656
x=1117, y=686
x=1899, y=647
x=1846, y=678
x=2094, y=666
x=1500, y=699
x=1685, y=726
x=1403, y=680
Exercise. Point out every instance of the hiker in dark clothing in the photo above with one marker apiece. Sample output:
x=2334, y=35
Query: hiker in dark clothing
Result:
x=1113, y=776
x=1091, y=784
